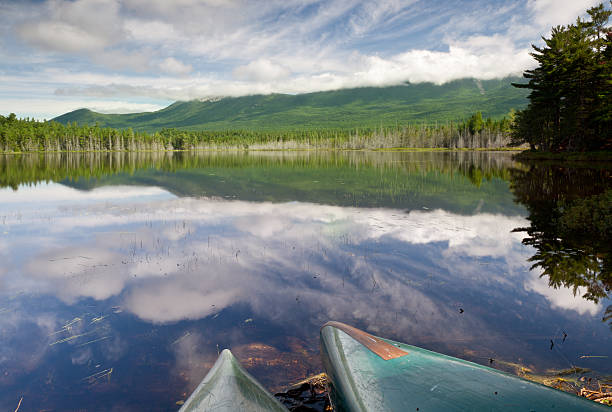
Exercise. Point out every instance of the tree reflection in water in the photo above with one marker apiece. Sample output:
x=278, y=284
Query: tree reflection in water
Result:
x=570, y=210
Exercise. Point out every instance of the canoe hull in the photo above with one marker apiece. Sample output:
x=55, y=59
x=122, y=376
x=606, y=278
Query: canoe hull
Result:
x=228, y=387
x=421, y=380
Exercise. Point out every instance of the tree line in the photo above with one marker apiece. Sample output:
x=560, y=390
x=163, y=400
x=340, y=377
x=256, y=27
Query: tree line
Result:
x=570, y=103
x=29, y=135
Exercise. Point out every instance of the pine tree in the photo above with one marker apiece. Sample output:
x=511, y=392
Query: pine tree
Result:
x=570, y=88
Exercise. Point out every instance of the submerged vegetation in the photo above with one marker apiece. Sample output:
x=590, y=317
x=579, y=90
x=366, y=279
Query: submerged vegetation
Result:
x=27, y=135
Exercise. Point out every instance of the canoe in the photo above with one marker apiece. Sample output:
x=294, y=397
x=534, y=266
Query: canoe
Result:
x=368, y=373
x=228, y=387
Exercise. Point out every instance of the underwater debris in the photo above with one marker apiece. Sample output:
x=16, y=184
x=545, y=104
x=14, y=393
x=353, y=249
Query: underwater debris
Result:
x=106, y=373
x=67, y=327
x=73, y=337
x=93, y=341
x=98, y=319
x=309, y=394
x=19, y=404
x=186, y=334
x=603, y=395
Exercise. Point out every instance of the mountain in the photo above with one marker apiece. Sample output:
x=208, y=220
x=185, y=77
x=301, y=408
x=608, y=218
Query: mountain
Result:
x=367, y=107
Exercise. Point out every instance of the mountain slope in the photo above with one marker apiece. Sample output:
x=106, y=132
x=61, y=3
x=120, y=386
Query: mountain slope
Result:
x=347, y=108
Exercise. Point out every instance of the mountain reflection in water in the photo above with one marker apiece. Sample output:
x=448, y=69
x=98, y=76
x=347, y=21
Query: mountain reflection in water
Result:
x=121, y=288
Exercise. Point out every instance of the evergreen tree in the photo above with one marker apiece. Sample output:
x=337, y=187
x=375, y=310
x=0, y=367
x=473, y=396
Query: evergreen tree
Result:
x=569, y=103
x=475, y=124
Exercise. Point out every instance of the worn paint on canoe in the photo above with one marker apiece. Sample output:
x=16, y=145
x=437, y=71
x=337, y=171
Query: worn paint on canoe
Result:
x=362, y=380
x=228, y=387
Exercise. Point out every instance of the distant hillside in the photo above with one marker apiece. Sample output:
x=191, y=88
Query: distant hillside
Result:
x=349, y=108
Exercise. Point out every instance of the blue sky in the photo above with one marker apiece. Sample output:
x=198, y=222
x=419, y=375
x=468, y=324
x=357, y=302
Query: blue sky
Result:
x=140, y=55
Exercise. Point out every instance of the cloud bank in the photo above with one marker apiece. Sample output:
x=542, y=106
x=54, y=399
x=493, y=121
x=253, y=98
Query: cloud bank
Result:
x=190, y=49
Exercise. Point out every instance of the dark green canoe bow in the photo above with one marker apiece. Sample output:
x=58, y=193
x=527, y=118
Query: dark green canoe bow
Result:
x=368, y=373
x=228, y=387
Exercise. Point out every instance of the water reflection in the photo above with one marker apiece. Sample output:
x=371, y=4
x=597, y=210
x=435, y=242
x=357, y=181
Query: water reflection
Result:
x=570, y=212
x=122, y=294
x=462, y=182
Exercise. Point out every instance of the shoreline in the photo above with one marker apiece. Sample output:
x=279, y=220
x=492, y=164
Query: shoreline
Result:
x=598, y=156
x=305, y=149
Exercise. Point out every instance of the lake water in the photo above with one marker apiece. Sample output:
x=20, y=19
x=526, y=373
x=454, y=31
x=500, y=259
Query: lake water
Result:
x=123, y=275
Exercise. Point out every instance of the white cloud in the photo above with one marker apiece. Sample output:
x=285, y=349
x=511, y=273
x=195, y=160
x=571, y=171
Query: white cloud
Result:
x=261, y=70
x=75, y=272
x=186, y=297
x=558, y=12
x=174, y=66
x=462, y=60
x=47, y=108
x=152, y=32
x=61, y=37
x=562, y=298
x=138, y=61
x=74, y=26
x=52, y=193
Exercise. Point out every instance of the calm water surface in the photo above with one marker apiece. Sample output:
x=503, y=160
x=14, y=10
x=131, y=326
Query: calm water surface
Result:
x=122, y=276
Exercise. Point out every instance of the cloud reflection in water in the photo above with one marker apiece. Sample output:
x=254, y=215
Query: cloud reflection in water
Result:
x=189, y=258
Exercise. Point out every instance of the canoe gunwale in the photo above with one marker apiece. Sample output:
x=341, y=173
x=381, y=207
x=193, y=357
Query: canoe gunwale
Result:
x=378, y=346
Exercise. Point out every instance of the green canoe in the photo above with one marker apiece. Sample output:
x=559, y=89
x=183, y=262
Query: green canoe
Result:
x=368, y=373
x=228, y=387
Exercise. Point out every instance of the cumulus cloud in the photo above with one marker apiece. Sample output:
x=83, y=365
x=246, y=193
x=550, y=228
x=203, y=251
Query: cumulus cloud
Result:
x=151, y=31
x=74, y=26
x=562, y=298
x=73, y=273
x=558, y=12
x=174, y=66
x=62, y=37
x=54, y=192
x=261, y=70
x=191, y=297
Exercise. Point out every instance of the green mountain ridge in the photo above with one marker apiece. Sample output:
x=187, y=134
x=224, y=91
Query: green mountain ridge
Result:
x=366, y=107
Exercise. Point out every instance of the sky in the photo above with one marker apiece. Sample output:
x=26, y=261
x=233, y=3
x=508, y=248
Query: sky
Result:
x=122, y=56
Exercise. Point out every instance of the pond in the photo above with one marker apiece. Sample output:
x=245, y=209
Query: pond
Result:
x=122, y=276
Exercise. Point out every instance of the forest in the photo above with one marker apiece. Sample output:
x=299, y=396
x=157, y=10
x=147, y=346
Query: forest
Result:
x=570, y=100
x=29, y=135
